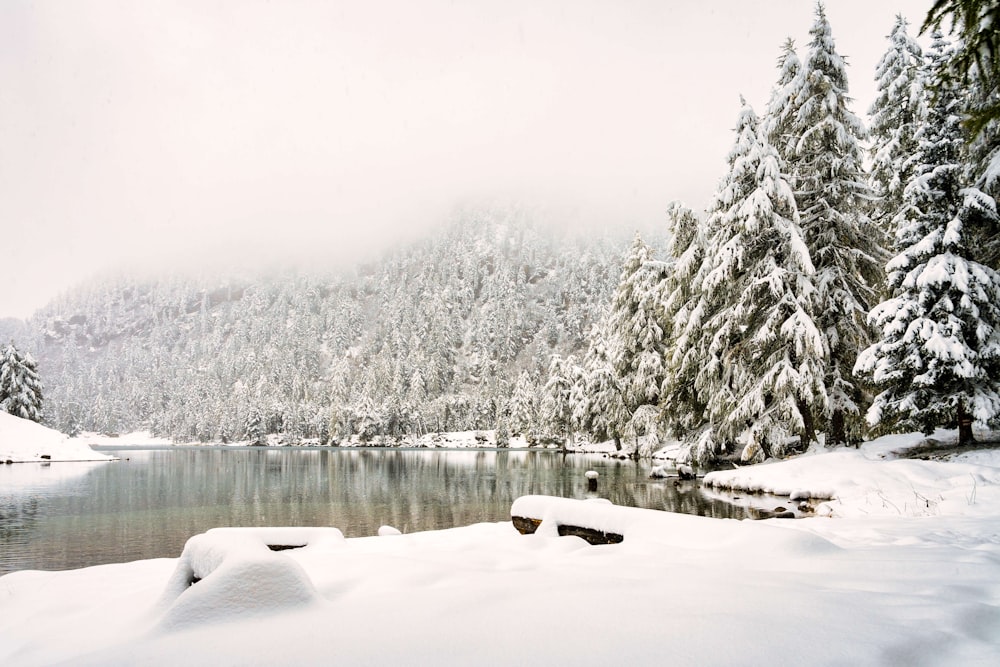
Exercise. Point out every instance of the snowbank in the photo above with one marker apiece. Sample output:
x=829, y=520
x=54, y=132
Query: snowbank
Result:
x=22, y=441
x=871, y=481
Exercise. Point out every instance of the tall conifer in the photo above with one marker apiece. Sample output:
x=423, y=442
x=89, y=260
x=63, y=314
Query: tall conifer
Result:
x=896, y=117
x=938, y=357
x=763, y=375
x=832, y=194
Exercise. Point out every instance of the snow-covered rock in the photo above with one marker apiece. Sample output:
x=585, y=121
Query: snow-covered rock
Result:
x=232, y=573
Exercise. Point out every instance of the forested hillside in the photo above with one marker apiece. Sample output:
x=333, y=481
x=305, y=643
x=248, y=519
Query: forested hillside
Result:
x=431, y=337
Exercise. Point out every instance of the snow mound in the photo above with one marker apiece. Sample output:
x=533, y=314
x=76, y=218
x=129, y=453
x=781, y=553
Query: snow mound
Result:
x=22, y=440
x=871, y=482
x=228, y=574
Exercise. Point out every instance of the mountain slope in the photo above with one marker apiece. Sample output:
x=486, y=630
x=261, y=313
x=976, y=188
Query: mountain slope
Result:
x=432, y=337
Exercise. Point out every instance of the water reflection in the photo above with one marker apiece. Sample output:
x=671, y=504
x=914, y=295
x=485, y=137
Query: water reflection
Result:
x=149, y=503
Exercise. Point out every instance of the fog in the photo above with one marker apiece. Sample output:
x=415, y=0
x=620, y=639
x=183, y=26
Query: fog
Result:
x=177, y=134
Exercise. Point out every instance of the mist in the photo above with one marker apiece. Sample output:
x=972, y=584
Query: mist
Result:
x=184, y=134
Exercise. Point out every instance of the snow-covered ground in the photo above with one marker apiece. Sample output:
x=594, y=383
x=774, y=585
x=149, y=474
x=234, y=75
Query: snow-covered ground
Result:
x=874, y=481
x=22, y=441
x=858, y=587
x=134, y=439
x=476, y=439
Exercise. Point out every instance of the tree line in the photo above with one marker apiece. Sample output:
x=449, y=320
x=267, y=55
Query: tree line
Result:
x=436, y=336
x=817, y=296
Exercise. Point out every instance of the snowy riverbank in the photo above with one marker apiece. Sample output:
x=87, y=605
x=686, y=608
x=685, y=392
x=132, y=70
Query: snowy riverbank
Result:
x=878, y=480
x=475, y=439
x=914, y=588
x=23, y=441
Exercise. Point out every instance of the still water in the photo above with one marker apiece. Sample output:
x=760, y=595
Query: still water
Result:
x=70, y=515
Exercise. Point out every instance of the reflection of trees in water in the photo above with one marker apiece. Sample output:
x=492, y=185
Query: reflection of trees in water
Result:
x=18, y=516
x=637, y=490
x=360, y=490
x=150, y=507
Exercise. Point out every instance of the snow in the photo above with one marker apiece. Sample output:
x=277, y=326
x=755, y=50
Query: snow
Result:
x=242, y=577
x=474, y=439
x=22, y=440
x=133, y=439
x=875, y=586
x=869, y=481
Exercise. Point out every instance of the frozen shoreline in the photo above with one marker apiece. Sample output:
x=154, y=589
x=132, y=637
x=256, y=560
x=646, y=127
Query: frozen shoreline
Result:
x=881, y=587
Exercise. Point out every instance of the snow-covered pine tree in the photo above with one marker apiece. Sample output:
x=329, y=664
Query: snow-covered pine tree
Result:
x=976, y=59
x=598, y=407
x=937, y=361
x=782, y=108
x=681, y=408
x=763, y=375
x=253, y=427
x=896, y=116
x=20, y=386
x=638, y=334
x=556, y=406
x=523, y=405
x=983, y=167
x=977, y=74
x=832, y=195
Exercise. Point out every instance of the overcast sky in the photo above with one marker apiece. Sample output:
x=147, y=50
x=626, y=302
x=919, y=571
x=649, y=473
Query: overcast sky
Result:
x=154, y=134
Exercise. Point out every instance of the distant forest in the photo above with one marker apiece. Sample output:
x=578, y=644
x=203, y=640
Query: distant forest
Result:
x=437, y=336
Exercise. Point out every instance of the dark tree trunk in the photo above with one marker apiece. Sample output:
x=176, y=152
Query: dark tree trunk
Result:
x=965, y=436
x=618, y=444
x=808, y=424
x=837, y=435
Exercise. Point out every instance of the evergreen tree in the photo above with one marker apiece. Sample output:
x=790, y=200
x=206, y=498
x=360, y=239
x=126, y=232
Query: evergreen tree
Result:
x=20, y=387
x=523, y=406
x=783, y=106
x=975, y=66
x=896, y=116
x=681, y=409
x=938, y=358
x=556, y=405
x=253, y=427
x=638, y=337
x=983, y=168
x=977, y=58
x=598, y=407
x=832, y=195
x=764, y=371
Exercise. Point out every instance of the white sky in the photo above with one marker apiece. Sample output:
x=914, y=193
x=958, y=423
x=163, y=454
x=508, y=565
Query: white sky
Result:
x=156, y=134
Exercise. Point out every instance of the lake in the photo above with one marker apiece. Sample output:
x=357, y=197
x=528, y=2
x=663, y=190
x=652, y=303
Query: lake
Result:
x=69, y=515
